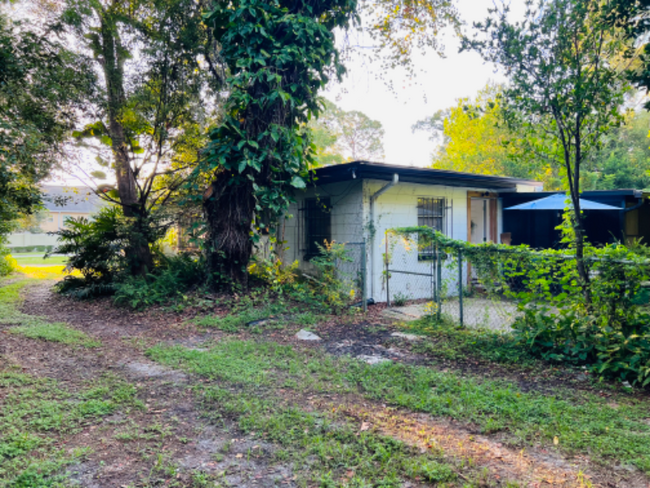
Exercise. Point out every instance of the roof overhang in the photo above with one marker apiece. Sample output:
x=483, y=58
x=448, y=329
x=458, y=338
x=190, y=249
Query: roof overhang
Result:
x=422, y=176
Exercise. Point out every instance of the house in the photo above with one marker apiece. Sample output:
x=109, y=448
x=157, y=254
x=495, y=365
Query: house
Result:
x=359, y=201
x=538, y=228
x=60, y=203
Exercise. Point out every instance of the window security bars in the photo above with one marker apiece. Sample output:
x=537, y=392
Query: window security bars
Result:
x=431, y=213
x=318, y=225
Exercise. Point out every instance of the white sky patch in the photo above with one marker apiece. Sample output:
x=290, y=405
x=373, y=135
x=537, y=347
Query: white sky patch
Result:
x=439, y=83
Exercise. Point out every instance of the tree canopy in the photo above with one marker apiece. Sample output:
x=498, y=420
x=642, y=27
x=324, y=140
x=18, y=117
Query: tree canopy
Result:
x=340, y=135
x=43, y=90
x=476, y=138
x=155, y=103
x=564, y=79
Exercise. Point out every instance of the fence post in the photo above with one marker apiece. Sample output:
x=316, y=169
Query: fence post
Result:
x=387, y=274
x=460, y=285
x=439, y=281
x=364, y=276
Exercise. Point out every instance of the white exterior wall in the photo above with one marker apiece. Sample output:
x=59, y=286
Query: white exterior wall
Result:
x=27, y=239
x=397, y=207
x=347, y=218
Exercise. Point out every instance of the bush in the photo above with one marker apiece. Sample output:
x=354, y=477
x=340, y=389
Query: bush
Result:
x=7, y=264
x=325, y=292
x=329, y=286
x=611, y=334
x=96, y=251
x=605, y=327
x=175, y=277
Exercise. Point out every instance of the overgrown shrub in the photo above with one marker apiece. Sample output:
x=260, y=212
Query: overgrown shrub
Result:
x=7, y=264
x=330, y=285
x=173, y=278
x=605, y=327
x=96, y=249
x=327, y=291
x=611, y=332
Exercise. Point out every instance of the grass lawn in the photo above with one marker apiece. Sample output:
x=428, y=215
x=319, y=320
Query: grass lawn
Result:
x=36, y=258
x=258, y=401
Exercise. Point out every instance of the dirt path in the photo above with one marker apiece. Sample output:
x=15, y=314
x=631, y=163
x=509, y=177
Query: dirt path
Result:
x=170, y=442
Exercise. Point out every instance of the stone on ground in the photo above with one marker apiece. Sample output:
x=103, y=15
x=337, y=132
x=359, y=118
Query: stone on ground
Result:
x=372, y=359
x=305, y=335
x=408, y=337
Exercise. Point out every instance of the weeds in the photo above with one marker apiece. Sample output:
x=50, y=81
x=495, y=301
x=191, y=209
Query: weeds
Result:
x=448, y=341
x=36, y=327
x=322, y=447
x=55, y=333
x=580, y=422
x=35, y=412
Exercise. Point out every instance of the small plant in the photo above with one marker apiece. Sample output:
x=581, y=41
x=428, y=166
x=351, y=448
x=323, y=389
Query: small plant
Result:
x=172, y=280
x=400, y=299
x=55, y=333
x=96, y=251
x=329, y=286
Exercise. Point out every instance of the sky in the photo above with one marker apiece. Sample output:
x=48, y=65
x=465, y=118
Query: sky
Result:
x=442, y=82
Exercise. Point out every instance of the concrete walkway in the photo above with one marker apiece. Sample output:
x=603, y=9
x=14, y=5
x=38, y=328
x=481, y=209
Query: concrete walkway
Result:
x=477, y=312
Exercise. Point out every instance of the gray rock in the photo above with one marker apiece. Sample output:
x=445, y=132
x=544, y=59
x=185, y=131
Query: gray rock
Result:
x=408, y=337
x=305, y=335
x=372, y=359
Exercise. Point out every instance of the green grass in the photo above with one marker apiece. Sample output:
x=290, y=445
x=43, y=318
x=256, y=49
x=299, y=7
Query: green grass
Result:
x=243, y=312
x=582, y=422
x=39, y=259
x=322, y=449
x=56, y=332
x=36, y=327
x=35, y=413
x=448, y=341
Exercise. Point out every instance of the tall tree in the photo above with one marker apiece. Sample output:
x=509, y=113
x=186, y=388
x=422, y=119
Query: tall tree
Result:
x=631, y=18
x=559, y=64
x=623, y=161
x=475, y=137
x=43, y=90
x=152, y=56
x=279, y=53
x=350, y=135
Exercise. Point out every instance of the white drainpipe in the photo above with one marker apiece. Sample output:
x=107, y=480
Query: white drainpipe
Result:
x=372, y=226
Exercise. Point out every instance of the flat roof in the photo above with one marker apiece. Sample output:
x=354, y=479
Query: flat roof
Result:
x=410, y=174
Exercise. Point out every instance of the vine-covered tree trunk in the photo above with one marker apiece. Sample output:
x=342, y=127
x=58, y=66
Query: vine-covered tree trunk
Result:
x=229, y=211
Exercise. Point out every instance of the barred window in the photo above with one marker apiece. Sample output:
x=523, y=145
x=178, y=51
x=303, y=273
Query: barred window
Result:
x=318, y=225
x=431, y=213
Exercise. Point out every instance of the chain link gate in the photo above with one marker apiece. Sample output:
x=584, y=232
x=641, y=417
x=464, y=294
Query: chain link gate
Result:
x=442, y=283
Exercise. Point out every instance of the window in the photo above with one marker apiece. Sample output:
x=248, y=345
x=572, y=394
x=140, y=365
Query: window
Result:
x=318, y=225
x=431, y=213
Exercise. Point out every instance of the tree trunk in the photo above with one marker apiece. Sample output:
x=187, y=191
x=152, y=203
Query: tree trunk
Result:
x=583, y=271
x=140, y=254
x=229, y=211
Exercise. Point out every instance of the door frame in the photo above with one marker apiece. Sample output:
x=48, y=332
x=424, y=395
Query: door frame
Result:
x=492, y=198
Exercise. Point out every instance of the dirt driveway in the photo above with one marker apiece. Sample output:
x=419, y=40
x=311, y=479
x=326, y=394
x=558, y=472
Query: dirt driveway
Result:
x=192, y=422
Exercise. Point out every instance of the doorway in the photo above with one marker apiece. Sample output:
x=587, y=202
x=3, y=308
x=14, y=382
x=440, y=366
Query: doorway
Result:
x=481, y=217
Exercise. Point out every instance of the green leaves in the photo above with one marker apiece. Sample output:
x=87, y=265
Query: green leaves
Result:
x=298, y=182
x=277, y=53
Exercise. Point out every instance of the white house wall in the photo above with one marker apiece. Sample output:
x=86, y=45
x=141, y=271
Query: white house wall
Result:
x=347, y=218
x=397, y=207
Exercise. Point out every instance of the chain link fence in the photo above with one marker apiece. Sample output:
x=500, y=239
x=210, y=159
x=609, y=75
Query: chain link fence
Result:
x=426, y=278
x=353, y=271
